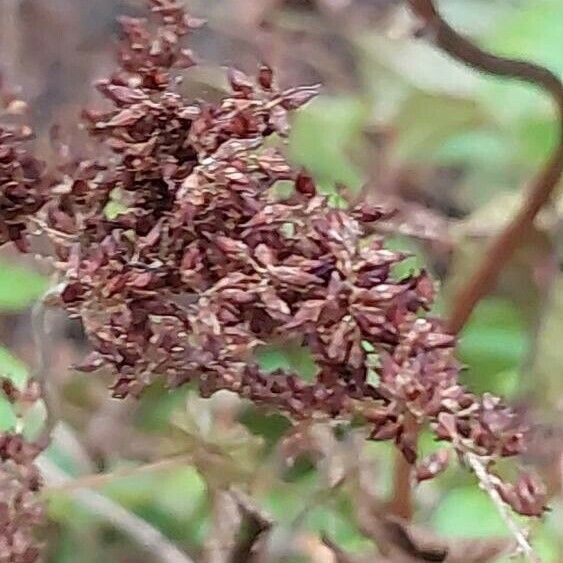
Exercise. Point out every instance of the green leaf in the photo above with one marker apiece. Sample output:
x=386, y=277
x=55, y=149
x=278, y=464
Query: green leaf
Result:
x=420, y=134
x=493, y=346
x=7, y=416
x=323, y=520
x=468, y=512
x=321, y=135
x=288, y=356
x=271, y=426
x=15, y=370
x=548, y=361
x=19, y=286
x=134, y=491
x=532, y=32
x=11, y=367
x=479, y=147
x=157, y=405
x=182, y=491
x=414, y=263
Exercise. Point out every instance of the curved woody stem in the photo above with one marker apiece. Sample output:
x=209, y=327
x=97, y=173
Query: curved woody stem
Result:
x=539, y=192
x=501, y=248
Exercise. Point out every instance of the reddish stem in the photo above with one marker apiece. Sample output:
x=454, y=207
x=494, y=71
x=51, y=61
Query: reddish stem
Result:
x=501, y=248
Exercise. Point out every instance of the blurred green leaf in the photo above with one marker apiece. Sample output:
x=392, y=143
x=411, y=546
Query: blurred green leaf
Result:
x=134, y=491
x=321, y=136
x=157, y=405
x=71, y=542
x=288, y=356
x=286, y=500
x=15, y=370
x=19, y=286
x=11, y=367
x=494, y=345
x=271, y=426
x=418, y=64
x=468, y=512
x=479, y=147
x=181, y=492
x=548, y=360
x=7, y=416
x=420, y=134
x=63, y=459
x=341, y=530
x=414, y=263
x=531, y=32
x=223, y=454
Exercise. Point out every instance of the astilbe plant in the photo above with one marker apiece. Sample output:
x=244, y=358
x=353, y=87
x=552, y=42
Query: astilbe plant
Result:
x=202, y=263
x=181, y=261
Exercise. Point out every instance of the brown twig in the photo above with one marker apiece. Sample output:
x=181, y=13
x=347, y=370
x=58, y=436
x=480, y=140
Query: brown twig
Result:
x=41, y=372
x=98, y=480
x=501, y=248
x=542, y=186
x=401, y=503
x=138, y=530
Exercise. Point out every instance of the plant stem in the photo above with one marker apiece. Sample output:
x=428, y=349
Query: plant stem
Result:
x=137, y=529
x=502, y=248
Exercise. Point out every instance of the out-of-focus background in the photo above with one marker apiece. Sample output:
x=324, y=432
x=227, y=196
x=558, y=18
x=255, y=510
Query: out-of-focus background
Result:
x=397, y=122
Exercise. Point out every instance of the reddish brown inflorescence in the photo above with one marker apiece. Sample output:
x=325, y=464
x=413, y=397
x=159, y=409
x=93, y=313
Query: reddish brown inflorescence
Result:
x=22, y=194
x=181, y=261
x=21, y=175
x=202, y=263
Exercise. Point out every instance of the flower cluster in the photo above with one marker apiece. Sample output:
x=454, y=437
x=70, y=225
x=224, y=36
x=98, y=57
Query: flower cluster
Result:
x=182, y=261
x=21, y=175
x=21, y=512
x=22, y=194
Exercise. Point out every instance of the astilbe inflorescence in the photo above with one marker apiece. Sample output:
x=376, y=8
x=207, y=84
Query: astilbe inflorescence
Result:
x=201, y=263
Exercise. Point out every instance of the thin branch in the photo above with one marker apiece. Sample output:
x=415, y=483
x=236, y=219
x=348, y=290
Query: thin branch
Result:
x=97, y=480
x=254, y=526
x=486, y=480
x=401, y=503
x=41, y=371
x=137, y=529
x=502, y=248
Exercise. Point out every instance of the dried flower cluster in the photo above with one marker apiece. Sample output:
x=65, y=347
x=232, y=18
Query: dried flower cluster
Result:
x=21, y=175
x=20, y=508
x=22, y=194
x=181, y=262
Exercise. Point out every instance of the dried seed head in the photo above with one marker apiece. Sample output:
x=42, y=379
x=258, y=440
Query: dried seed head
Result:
x=202, y=262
